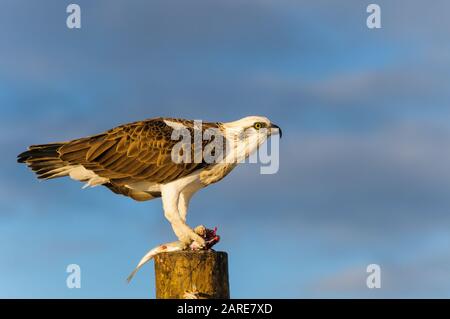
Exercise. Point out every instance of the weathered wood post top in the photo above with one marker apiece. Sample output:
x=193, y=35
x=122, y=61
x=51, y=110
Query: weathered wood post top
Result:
x=192, y=275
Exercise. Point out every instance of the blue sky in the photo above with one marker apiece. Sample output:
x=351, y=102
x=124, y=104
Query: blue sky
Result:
x=364, y=175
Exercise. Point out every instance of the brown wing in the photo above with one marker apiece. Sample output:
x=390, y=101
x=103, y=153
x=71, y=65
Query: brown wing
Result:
x=132, y=152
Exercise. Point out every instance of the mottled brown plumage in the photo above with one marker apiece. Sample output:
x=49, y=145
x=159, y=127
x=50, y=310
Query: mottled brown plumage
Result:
x=138, y=151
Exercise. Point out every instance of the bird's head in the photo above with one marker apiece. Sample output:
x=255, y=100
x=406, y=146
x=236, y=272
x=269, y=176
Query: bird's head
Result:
x=253, y=125
x=250, y=132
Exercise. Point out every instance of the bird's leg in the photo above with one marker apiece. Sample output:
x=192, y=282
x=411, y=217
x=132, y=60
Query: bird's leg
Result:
x=183, y=203
x=170, y=199
x=185, y=234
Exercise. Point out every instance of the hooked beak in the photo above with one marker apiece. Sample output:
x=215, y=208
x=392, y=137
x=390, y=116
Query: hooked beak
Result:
x=275, y=128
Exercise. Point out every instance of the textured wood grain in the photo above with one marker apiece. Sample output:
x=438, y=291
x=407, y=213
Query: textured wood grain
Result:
x=200, y=273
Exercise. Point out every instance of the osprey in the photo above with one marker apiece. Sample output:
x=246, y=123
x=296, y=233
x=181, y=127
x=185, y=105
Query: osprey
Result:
x=136, y=160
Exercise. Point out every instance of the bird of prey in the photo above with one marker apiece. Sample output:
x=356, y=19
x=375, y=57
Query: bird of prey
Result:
x=136, y=160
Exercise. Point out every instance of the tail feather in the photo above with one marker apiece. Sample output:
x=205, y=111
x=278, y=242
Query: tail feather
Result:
x=44, y=160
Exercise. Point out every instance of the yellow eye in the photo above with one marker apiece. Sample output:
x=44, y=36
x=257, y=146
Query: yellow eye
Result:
x=257, y=126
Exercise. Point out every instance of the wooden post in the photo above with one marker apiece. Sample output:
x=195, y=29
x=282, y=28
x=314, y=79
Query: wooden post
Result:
x=192, y=274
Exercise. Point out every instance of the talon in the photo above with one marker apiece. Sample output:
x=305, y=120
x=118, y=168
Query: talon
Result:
x=200, y=242
x=200, y=230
